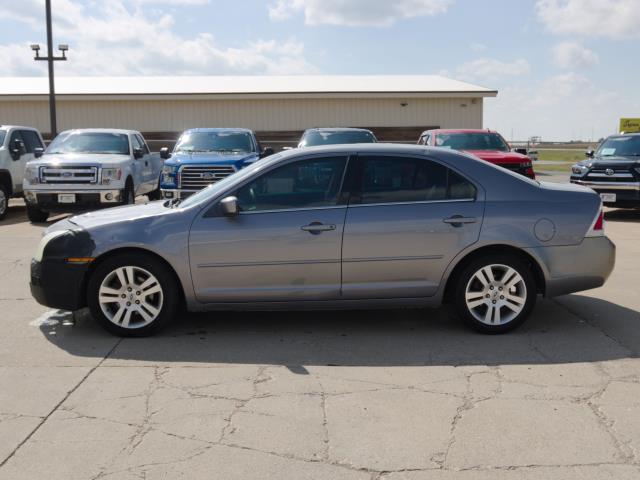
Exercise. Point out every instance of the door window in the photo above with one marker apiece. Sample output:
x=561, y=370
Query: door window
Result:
x=304, y=184
x=17, y=136
x=406, y=179
x=31, y=140
x=135, y=143
x=142, y=144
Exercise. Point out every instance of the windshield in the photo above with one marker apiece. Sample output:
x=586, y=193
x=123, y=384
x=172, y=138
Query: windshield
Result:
x=3, y=133
x=233, y=142
x=215, y=188
x=90, y=142
x=319, y=137
x=472, y=141
x=626, y=146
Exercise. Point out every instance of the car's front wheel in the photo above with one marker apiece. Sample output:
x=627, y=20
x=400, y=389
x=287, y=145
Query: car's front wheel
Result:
x=132, y=295
x=495, y=294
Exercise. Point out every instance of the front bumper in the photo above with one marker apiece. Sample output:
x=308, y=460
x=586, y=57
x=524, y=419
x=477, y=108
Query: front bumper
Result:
x=57, y=284
x=573, y=268
x=627, y=193
x=49, y=199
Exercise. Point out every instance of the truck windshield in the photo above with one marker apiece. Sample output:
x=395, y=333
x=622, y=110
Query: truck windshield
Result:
x=231, y=142
x=90, y=142
x=472, y=141
x=625, y=146
x=320, y=137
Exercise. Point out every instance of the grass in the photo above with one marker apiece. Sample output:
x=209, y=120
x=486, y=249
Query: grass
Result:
x=553, y=167
x=565, y=156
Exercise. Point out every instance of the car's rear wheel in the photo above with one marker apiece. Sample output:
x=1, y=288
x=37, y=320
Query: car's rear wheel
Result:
x=495, y=294
x=132, y=295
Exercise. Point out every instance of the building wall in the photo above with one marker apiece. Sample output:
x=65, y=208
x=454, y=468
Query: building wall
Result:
x=174, y=115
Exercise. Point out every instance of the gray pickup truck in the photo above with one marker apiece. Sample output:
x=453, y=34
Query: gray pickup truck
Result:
x=90, y=168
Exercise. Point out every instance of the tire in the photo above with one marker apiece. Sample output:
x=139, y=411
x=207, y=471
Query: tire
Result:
x=36, y=215
x=496, y=303
x=155, y=195
x=123, y=316
x=4, y=201
x=129, y=195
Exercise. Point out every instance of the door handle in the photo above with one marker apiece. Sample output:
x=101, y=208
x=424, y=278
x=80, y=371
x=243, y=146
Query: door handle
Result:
x=459, y=220
x=316, y=227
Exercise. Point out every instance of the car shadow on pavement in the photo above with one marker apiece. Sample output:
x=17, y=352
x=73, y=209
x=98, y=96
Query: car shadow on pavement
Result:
x=623, y=215
x=572, y=329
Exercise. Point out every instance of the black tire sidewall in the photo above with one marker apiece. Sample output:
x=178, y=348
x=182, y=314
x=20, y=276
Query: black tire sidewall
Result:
x=6, y=200
x=167, y=281
x=468, y=271
x=36, y=215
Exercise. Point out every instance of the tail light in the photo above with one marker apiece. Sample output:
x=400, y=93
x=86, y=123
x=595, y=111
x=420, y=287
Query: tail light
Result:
x=530, y=173
x=597, y=227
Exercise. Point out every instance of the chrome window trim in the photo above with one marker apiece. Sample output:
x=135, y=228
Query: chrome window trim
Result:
x=418, y=202
x=302, y=209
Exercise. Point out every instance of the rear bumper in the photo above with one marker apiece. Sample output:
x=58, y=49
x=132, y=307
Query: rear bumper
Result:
x=57, y=284
x=574, y=268
x=48, y=200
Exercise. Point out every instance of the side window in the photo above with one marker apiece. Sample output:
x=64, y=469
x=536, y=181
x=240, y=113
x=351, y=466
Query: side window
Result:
x=15, y=135
x=135, y=143
x=424, y=140
x=303, y=184
x=31, y=140
x=143, y=145
x=405, y=179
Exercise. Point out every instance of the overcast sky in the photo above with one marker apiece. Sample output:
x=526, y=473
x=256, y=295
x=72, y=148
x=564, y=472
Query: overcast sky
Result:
x=564, y=68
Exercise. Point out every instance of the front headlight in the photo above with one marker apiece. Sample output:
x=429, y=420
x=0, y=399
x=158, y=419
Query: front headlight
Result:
x=45, y=240
x=168, y=175
x=110, y=174
x=31, y=175
x=579, y=169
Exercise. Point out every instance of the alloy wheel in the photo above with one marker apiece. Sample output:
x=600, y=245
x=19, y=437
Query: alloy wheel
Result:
x=3, y=202
x=130, y=297
x=496, y=294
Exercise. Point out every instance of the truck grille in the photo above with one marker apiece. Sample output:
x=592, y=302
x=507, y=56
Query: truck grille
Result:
x=611, y=174
x=75, y=175
x=196, y=178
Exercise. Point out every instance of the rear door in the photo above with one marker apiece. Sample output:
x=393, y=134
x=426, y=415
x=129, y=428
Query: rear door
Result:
x=407, y=219
x=285, y=243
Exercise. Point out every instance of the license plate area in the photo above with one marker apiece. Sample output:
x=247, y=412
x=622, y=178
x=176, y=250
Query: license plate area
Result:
x=608, y=197
x=66, y=198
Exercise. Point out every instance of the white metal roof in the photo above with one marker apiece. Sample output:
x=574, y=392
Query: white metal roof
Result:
x=361, y=85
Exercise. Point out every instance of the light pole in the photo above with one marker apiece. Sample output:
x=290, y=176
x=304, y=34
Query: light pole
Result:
x=50, y=58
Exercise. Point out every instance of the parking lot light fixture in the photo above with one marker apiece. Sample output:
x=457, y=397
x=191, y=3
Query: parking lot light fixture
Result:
x=50, y=58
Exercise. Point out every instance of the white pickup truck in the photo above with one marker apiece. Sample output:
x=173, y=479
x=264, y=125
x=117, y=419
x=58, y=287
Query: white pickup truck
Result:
x=90, y=168
x=17, y=147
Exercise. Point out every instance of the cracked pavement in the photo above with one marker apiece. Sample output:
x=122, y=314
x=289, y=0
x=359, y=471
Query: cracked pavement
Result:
x=378, y=395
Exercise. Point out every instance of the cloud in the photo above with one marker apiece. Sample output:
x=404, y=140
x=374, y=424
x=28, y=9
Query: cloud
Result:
x=356, y=13
x=116, y=38
x=491, y=69
x=618, y=19
x=572, y=55
x=477, y=47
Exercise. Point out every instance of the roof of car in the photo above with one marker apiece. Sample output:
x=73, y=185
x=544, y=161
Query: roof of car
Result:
x=338, y=129
x=22, y=127
x=101, y=130
x=459, y=130
x=219, y=129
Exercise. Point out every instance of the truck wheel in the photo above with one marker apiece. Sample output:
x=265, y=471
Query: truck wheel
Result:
x=36, y=215
x=155, y=195
x=495, y=294
x=132, y=295
x=4, y=201
x=129, y=196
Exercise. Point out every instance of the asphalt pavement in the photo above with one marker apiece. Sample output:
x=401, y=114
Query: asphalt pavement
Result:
x=399, y=394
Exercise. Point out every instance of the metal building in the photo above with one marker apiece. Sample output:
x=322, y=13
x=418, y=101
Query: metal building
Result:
x=278, y=108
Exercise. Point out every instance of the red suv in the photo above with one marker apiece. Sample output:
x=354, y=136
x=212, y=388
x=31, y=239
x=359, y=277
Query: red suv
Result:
x=485, y=144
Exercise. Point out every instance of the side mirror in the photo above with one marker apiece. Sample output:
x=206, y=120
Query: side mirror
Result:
x=38, y=152
x=164, y=153
x=229, y=206
x=520, y=150
x=267, y=151
x=17, y=149
x=138, y=153
x=590, y=153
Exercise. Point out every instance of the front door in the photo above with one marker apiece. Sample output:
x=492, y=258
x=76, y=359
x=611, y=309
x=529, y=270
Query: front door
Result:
x=18, y=165
x=407, y=220
x=284, y=244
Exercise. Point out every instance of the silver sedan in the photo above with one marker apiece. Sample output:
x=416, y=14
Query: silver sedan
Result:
x=351, y=226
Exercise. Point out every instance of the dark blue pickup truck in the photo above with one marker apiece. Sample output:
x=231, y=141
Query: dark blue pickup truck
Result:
x=203, y=156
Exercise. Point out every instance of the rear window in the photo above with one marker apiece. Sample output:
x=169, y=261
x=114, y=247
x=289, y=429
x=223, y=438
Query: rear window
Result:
x=472, y=141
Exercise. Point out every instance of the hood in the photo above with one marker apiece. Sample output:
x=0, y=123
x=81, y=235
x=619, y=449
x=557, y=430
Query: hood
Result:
x=496, y=156
x=100, y=159
x=209, y=158
x=610, y=161
x=127, y=213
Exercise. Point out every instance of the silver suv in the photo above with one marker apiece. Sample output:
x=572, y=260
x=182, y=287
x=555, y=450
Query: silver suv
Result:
x=349, y=226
